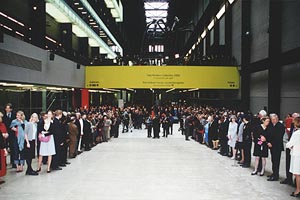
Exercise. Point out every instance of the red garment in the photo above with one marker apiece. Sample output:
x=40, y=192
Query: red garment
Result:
x=3, y=128
x=288, y=124
x=2, y=153
x=2, y=163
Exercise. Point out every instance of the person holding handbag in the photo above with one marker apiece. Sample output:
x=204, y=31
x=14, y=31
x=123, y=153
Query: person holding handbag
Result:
x=261, y=141
x=47, y=147
x=30, y=143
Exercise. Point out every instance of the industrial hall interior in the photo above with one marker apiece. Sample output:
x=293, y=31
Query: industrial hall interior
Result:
x=149, y=99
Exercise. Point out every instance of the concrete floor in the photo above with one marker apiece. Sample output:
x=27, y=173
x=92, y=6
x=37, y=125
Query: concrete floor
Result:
x=134, y=167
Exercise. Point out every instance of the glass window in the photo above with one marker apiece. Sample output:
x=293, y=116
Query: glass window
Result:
x=222, y=31
x=212, y=38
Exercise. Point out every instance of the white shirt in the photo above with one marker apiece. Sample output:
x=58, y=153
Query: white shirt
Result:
x=31, y=131
x=294, y=144
x=81, y=126
x=232, y=130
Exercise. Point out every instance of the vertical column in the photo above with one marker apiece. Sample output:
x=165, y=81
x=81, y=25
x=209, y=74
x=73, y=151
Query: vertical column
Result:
x=44, y=100
x=95, y=99
x=100, y=99
x=124, y=95
x=85, y=98
x=228, y=30
x=95, y=56
x=66, y=36
x=76, y=98
x=216, y=44
x=246, y=42
x=83, y=46
x=118, y=96
x=274, y=81
x=38, y=22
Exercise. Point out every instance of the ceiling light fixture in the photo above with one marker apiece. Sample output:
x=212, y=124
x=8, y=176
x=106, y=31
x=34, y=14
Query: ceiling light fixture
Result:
x=190, y=90
x=231, y=1
x=11, y=19
x=170, y=90
x=203, y=34
x=211, y=24
x=221, y=12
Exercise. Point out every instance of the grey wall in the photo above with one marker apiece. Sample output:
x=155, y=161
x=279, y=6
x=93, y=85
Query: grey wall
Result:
x=259, y=29
x=222, y=31
x=258, y=91
x=236, y=31
x=60, y=72
x=290, y=24
x=290, y=89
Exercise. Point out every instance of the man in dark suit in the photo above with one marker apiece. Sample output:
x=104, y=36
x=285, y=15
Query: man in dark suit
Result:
x=182, y=125
x=79, y=124
x=247, y=141
x=9, y=115
x=188, y=127
x=156, y=126
x=223, y=136
x=277, y=131
x=87, y=132
x=58, y=134
x=64, y=154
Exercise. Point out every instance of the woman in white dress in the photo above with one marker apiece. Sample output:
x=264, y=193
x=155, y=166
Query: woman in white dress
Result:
x=47, y=148
x=232, y=135
x=294, y=145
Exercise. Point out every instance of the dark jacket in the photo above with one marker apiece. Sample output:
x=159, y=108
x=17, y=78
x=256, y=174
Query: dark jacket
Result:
x=198, y=126
x=87, y=131
x=59, y=132
x=276, y=136
x=247, y=134
x=223, y=129
x=7, y=121
x=2, y=143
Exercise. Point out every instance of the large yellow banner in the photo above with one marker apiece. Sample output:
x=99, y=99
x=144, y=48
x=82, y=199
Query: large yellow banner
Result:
x=163, y=77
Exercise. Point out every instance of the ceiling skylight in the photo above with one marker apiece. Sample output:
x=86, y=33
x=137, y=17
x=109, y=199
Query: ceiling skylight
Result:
x=156, y=13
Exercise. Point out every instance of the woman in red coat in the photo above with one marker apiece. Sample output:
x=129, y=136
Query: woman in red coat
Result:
x=3, y=151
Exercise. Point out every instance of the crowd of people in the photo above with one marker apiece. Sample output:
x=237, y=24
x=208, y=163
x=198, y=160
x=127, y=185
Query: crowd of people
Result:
x=58, y=136
x=233, y=134
x=53, y=136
